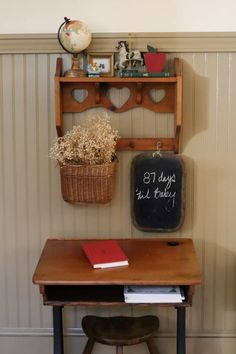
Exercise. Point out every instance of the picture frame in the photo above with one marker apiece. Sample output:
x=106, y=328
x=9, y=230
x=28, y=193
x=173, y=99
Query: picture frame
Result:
x=104, y=61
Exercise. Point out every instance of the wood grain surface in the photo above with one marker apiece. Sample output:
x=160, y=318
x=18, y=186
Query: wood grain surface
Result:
x=151, y=261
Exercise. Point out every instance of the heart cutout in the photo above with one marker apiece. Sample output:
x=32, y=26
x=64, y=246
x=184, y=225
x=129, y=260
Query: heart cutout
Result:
x=80, y=95
x=157, y=95
x=118, y=96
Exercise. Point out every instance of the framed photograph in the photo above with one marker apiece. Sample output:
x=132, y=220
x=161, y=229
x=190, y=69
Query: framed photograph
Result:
x=104, y=61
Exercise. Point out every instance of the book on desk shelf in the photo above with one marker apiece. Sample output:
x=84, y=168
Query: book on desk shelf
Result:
x=153, y=294
x=105, y=254
x=127, y=73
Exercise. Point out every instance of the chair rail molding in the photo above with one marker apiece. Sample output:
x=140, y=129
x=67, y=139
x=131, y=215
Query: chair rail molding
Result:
x=169, y=42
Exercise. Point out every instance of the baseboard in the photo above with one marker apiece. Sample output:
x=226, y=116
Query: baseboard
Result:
x=75, y=345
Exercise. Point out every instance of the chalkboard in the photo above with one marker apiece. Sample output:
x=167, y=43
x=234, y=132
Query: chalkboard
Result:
x=157, y=192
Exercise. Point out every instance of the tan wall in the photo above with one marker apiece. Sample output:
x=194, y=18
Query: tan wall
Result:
x=120, y=16
x=31, y=208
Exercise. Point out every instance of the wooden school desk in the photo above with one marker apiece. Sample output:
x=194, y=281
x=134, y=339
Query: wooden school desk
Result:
x=65, y=277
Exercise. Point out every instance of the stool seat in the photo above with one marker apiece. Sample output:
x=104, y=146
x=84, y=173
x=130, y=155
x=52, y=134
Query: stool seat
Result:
x=120, y=330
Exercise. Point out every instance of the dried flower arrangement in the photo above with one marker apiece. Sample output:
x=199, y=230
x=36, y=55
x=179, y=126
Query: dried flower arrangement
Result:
x=87, y=159
x=91, y=144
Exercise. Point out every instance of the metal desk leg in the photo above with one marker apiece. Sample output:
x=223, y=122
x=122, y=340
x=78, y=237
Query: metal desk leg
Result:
x=57, y=330
x=181, y=347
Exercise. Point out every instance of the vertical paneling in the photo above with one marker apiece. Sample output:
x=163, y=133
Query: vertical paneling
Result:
x=222, y=186
x=8, y=197
x=55, y=212
x=210, y=203
x=32, y=178
x=230, y=242
x=3, y=317
x=31, y=207
x=20, y=202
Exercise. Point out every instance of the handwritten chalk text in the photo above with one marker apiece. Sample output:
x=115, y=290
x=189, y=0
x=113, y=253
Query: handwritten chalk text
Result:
x=153, y=177
x=158, y=186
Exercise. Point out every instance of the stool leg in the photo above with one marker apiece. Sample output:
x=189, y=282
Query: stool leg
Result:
x=119, y=349
x=89, y=346
x=151, y=346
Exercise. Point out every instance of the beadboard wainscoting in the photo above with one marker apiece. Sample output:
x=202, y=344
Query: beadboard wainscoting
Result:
x=32, y=209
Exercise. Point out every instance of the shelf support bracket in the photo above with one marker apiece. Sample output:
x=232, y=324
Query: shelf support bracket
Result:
x=139, y=91
x=97, y=89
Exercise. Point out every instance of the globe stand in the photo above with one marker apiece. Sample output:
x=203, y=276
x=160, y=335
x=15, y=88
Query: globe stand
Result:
x=75, y=70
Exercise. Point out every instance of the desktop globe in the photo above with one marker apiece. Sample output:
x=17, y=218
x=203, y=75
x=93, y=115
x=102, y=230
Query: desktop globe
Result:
x=74, y=36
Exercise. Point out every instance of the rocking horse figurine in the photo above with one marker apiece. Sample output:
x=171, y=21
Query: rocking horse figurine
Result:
x=127, y=58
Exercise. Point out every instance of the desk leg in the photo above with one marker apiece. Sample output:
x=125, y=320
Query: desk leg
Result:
x=57, y=330
x=181, y=347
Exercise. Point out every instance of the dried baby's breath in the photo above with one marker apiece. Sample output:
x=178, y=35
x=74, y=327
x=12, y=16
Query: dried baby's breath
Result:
x=91, y=144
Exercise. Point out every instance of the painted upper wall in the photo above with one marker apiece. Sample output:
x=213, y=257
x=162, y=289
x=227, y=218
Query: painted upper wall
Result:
x=45, y=16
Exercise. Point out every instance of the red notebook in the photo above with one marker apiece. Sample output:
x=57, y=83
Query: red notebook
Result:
x=104, y=254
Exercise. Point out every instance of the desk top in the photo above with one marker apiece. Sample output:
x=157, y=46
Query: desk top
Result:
x=151, y=262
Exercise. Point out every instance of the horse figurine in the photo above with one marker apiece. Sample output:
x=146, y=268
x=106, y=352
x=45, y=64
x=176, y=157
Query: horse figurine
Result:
x=127, y=57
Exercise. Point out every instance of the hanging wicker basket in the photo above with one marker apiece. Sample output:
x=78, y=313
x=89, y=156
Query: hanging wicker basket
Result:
x=88, y=183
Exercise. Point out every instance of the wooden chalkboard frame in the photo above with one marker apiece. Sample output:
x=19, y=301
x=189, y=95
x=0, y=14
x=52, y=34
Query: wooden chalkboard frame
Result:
x=182, y=193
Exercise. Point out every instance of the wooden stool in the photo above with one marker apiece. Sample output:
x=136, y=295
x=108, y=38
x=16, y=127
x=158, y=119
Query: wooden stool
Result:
x=120, y=331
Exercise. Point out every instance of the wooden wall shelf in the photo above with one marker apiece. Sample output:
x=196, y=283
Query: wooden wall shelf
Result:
x=97, y=96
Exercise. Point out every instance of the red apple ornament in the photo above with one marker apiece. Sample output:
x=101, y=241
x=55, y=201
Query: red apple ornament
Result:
x=154, y=60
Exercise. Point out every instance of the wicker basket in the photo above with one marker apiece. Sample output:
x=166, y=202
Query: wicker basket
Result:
x=88, y=183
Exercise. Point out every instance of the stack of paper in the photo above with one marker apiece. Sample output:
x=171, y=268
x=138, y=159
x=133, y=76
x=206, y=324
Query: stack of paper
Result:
x=153, y=294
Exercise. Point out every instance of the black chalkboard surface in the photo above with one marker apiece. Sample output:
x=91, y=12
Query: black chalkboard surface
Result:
x=157, y=192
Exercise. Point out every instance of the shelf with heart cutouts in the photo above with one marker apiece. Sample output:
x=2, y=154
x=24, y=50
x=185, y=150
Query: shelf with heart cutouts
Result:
x=68, y=99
